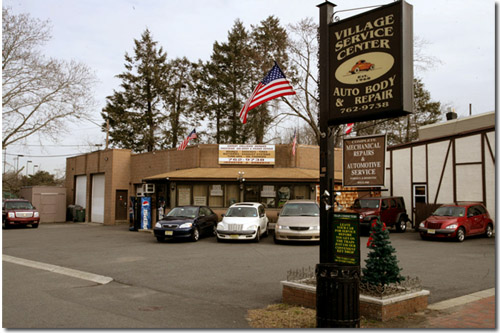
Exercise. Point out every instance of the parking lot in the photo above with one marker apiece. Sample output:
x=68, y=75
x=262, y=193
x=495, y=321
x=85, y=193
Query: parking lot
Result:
x=192, y=285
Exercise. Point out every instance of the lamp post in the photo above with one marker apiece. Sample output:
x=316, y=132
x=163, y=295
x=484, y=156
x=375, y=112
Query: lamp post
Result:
x=34, y=166
x=241, y=180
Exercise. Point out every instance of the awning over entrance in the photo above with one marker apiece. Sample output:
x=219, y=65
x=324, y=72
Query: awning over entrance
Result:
x=231, y=174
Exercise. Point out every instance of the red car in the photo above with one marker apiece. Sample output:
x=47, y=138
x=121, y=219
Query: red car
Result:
x=19, y=212
x=457, y=221
x=361, y=65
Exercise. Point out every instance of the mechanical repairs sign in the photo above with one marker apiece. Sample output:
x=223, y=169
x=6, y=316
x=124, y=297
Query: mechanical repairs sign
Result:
x=364, y=161
x=246, y=154
x=346, y=238
x=371, y=61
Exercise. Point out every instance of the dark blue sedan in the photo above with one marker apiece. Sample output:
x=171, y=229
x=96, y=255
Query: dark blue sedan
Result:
x=189, y=222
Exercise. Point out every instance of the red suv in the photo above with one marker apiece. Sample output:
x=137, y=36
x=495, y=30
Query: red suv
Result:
x=19, y=212
x=457, y=221
x=390, y=210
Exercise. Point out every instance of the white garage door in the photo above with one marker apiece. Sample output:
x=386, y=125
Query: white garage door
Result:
x=81, y=191
x=97, y=214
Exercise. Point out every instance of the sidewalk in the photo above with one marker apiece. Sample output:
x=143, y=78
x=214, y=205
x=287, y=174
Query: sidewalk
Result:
x=472, y=311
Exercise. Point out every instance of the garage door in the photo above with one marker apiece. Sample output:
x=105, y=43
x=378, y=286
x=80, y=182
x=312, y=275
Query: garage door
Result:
x=81, y=191
x=97, y=213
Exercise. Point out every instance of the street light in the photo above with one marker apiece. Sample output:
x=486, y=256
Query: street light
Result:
x=27, y=167
x=34, y=166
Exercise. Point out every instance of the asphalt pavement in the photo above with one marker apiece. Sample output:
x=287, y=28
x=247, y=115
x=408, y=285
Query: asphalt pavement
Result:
x=191, y=285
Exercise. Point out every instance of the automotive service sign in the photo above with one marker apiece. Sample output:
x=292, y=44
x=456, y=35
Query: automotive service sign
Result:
x=371, y=65
x=364, y=161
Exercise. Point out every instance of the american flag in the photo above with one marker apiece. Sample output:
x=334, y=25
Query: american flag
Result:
x=348, y=130
x=294, y=147
x=184, y=143
x=272, y=86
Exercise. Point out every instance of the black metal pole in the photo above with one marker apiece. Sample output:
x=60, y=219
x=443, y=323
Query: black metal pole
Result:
x=337, y=286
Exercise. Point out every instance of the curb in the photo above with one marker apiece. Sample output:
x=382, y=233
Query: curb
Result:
x=462, y=300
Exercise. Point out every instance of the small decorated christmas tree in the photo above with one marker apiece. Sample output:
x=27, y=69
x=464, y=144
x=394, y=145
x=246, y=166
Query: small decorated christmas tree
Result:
x=382, y=265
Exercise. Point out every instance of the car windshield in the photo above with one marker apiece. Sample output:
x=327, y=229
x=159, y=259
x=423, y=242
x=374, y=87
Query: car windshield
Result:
x=242, y=212
x=300, y=209
x=183, y=212
x=366, y=203
x=450, y=211
x=18, y=205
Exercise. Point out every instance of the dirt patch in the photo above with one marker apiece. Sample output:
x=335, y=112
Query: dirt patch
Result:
x=288, y=316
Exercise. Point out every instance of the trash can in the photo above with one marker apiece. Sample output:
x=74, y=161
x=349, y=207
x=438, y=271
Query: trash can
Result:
x=80, y=214
x=70, y=213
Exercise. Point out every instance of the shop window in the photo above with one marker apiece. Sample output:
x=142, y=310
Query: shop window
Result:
x=232, y=194
x=268, y=196
x=216, y=196
x=419, y=194
x=252, y=193
x=200, y=195
x=284, y=194
x=301, y=191
x=183, y=195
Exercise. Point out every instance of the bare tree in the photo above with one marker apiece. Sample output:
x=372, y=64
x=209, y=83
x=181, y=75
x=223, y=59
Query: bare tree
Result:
x=38, y=93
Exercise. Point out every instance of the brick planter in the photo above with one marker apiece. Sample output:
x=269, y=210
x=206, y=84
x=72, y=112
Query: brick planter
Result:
x=370, y=307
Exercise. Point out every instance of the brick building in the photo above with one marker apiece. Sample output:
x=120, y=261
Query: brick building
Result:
x=103, y=181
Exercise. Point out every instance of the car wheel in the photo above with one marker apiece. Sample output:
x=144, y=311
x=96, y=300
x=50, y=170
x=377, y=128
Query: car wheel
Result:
x=401, y=225
x=160, y=239
x=489, y=231
x=423, y=237
x=460, y=234
x=257, y=236
x=195, y=235
x=276, y=241
x=34, y=225
x=214, y=230
x=6, y=225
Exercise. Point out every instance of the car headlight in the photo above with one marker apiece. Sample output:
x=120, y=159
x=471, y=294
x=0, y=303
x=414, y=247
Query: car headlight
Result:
x=36, y=214
x=283, y=227
x=253, y=227
x=158, y=225
x=185, y=225
x=452, y=226
x=316, y=227
x=221, y=226
x=12, y=215
x=422, y=225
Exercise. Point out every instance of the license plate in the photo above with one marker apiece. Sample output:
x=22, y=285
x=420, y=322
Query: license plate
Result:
x=431, y=231
x=234, y=236
x=169, y=233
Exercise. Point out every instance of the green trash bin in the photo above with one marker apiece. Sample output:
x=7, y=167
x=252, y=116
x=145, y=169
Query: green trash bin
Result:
x=80, y=215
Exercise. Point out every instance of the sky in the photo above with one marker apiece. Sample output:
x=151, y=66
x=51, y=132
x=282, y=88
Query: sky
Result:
x=459, y=33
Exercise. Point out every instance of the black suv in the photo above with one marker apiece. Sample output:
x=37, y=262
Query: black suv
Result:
x=390, y=210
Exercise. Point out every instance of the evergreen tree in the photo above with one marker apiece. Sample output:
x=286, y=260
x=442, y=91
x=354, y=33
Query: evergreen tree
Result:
x=382, y=265
x=135, y=113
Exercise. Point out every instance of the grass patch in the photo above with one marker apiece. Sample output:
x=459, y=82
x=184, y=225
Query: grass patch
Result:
x=282, y=316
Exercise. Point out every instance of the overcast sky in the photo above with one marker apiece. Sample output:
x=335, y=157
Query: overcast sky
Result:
x=460, y=33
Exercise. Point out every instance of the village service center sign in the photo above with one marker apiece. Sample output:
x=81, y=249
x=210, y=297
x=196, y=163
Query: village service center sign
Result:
x=371, y=65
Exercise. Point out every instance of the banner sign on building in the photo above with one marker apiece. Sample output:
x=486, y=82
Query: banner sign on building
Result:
x=364, y=161
x=346, y=238
x=371, y=62
x=247, y=154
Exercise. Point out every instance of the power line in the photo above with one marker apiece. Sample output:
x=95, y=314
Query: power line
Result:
x=42, y=156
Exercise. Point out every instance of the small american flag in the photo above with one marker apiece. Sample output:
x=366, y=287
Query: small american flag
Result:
x=294, y=147
x=184, y=143
x=272, y=86
x=348, y=130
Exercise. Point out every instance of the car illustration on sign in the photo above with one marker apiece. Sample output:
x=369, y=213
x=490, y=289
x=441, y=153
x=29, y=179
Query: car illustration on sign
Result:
x=361, y=65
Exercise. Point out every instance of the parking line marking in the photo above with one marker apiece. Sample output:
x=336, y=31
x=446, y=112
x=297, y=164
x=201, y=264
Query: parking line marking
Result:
x=58, y=269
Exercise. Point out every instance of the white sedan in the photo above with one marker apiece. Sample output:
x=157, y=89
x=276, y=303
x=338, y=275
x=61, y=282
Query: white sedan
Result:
x=243, y=221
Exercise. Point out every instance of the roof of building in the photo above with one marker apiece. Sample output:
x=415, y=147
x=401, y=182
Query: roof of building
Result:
x=250, y=174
